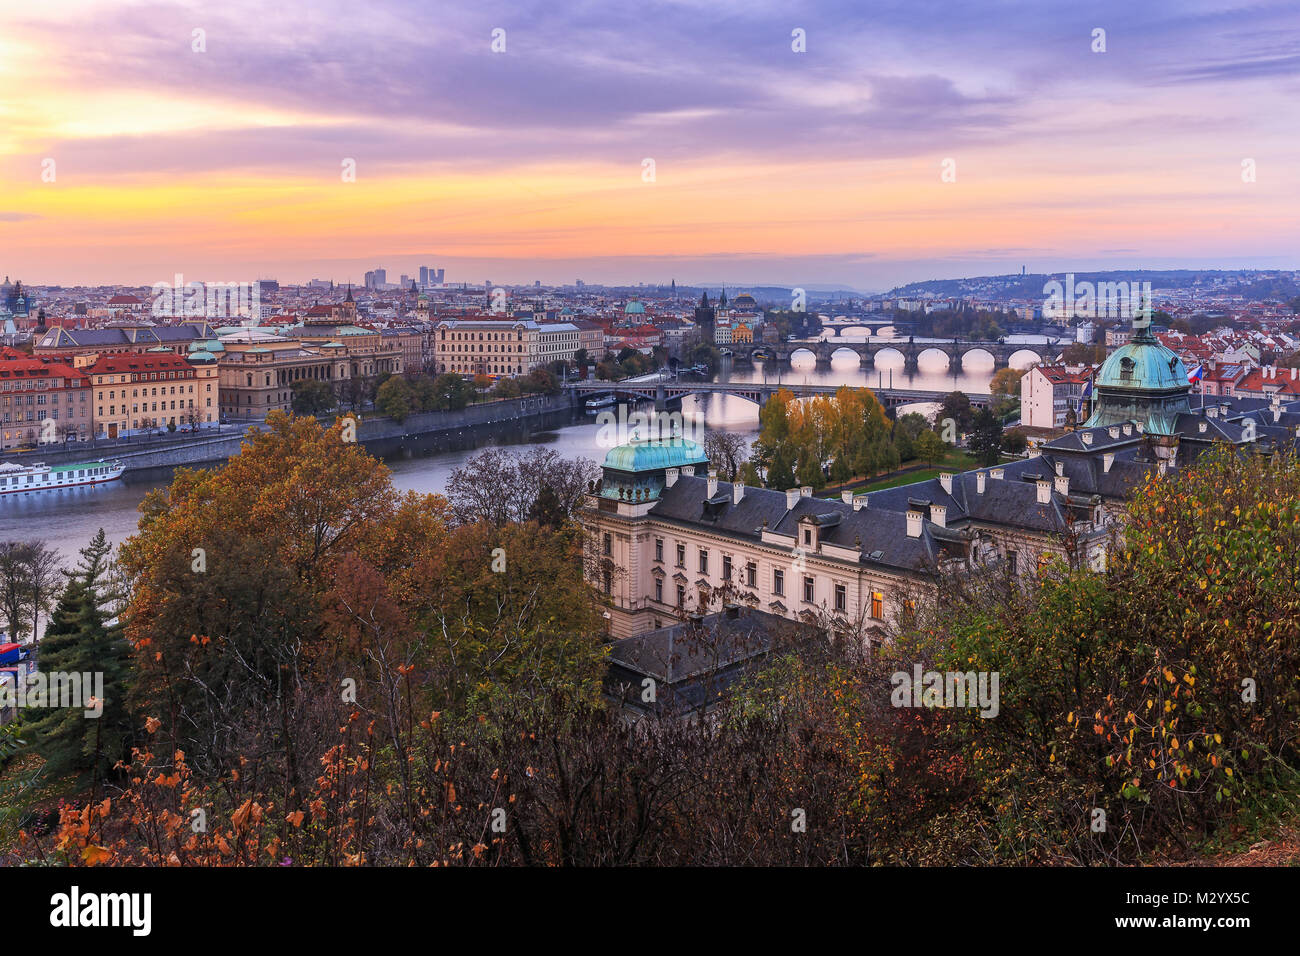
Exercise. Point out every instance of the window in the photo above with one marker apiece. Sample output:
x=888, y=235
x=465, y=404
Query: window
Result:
x=778, y=583
x=609, y=543
x=659, y=549
x=726, y=567
x=841, y=598
x=878, y=605
x=704, y=561
x=809, y=590
x=807, y=536
x=1013, y=562
x=681, y=596
x=681, y=555
x=909, y=610
x=751, y=574
x=659, y=590
x=608, y=581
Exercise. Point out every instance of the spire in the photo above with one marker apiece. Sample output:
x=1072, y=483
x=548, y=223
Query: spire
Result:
x=349, y=298
x=704, y=299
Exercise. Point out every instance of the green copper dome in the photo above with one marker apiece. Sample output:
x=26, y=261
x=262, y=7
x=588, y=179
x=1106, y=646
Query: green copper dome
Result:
x=639, y=455
x=637, y=471
x=1143, y=363
x=1142, y=382
x=634, y=308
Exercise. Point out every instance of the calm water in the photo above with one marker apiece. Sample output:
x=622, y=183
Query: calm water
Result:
x=67, y=519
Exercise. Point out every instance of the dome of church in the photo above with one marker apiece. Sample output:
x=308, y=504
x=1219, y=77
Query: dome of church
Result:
x=634, y=308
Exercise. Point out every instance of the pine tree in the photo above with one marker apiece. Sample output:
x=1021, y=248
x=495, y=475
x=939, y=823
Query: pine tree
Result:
x=79, y=640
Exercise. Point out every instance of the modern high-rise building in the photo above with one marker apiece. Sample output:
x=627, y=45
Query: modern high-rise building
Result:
x=424, y=275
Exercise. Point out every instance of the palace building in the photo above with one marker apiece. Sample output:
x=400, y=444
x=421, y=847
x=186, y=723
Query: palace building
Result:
x=667, y=539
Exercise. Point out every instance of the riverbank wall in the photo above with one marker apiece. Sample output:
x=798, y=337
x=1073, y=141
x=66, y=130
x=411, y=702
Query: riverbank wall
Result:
x=423, y=433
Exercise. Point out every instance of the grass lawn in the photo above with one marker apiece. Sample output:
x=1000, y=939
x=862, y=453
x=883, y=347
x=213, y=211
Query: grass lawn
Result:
x=956, y=460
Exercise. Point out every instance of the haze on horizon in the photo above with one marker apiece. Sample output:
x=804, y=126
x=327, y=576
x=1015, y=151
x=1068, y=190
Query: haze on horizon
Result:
x=771, y=167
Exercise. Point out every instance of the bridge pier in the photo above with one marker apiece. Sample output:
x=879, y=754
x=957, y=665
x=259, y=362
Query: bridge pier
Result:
x=910, y=363
x=1001, y=361
x=954, y=362
x=866, y=360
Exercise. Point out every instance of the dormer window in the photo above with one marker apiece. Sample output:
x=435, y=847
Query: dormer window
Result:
x=1126, y=366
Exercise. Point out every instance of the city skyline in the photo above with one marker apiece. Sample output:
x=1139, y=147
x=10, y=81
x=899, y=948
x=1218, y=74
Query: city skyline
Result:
x=821, y=168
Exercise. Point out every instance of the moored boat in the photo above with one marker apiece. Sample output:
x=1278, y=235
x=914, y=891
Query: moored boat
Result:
x=16, y=479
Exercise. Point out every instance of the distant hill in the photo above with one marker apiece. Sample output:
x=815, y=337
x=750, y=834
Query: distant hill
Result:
x=1252, y=283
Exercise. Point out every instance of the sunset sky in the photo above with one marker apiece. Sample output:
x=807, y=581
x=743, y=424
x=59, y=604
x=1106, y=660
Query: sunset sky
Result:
x=771, y=167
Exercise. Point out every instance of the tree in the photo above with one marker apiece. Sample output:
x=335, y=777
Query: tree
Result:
x=499, y=487
x=986, y=437
x=29, y=576
x=311, y=396
x=395, y=398
x=956, y=408
x=80, y=641
x=1006, y=382
x=1014, y=441
x=727, y=452
x=930, y=447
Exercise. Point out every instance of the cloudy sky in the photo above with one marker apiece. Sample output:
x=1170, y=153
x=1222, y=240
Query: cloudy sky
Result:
x=769, y=166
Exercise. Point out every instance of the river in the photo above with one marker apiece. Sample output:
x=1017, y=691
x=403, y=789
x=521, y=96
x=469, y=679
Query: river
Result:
x=67, y=519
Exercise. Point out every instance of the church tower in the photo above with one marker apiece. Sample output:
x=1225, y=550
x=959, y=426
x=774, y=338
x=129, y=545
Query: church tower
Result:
x=705, y=317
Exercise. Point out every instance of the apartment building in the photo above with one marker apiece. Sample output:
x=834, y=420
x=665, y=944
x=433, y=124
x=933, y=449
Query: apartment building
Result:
x=42, y=401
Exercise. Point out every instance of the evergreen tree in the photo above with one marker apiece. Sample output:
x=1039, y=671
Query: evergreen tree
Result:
x=779, y=475
x=79, y=640
x=986, y=437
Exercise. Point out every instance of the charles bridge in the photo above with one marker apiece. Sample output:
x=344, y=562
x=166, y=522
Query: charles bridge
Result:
x=956, y=350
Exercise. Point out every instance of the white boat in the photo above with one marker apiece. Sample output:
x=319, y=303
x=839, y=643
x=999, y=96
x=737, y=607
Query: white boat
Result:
x=600, y=402
x=16, y=479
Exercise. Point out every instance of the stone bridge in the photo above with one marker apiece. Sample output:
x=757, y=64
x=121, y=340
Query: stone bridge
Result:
x=956, y=351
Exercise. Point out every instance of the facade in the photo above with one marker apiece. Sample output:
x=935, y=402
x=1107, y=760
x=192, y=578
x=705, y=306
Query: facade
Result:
x=1048, y=393
x=34, y=392
x=134, y=394
x=507, y=347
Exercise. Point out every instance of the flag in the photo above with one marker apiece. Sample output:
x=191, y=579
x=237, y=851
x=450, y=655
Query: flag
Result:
x=1087, y=389
x=1195, y=374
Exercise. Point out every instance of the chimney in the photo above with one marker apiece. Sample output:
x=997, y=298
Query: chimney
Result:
x=1161, y=466
x=1113, y=431
x=945, y=479
x=1062, y=484
x=1060, y=468
x=737, y=491
x=806, y=491
x=688, y=471
x=1277, y=413
x=1202, y=426
x=846, y=497
x=979, y=482
x=1087, y=438
x=1128, y=428
x=860, y=501
x=939, y=515
x=913, y=524
x=670, y=477
x=1107, y=460
x=996, y=473
x=1044, y=490
x=791, y=498
x=712, y=486
x=1211, y=412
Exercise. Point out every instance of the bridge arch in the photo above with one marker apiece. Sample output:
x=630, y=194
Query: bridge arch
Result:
x=803, y=351
x=1022, y=357
x=979, y=350
x=934, y=349
x=845, y=351
x=892, y=350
